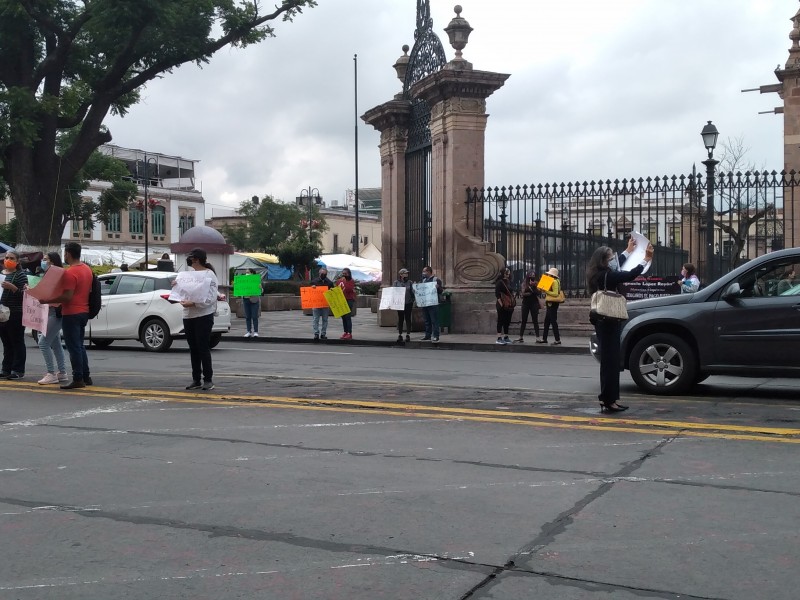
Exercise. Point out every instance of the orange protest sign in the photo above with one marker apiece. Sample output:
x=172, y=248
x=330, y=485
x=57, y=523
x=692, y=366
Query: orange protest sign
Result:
x=313, y=296
x=545, y=282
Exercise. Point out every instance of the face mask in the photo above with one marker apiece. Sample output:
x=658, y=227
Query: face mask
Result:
x=10, y=264
x=613, y=264
x=45, y=265
x=188, y=262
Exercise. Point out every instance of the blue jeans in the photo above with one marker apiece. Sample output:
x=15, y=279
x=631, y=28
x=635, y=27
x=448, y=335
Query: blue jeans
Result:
x=50, y=344
x=320, y=313
x=74, y=328
x=347, y=320
x=431, y=314
x=251, y=314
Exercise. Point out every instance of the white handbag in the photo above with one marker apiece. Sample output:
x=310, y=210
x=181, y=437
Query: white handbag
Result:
x=609, y=305
x=5, y=313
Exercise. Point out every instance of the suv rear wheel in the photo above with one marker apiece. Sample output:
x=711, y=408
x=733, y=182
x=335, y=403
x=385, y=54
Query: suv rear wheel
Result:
x=155, y=336
x=663, y=364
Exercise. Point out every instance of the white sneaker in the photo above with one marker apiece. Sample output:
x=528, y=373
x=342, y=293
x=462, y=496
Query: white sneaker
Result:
x=248, y=334
x=62, y=376
x=255, y=334
x=48, y=378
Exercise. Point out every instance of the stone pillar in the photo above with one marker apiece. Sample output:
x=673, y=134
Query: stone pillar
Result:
x=391, y=120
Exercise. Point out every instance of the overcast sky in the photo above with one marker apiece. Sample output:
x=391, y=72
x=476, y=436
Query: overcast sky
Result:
x=598, y=90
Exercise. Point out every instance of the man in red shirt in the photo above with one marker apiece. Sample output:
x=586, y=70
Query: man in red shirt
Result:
x=74, y=300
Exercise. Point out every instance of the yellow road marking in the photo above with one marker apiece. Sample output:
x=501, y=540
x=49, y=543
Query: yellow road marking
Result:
x=531, y=419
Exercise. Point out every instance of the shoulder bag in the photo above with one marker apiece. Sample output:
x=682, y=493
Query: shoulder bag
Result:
x=507, y=301
x=609, y=305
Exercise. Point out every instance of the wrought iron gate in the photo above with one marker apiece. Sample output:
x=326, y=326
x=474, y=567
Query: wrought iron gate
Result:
x=427, y=57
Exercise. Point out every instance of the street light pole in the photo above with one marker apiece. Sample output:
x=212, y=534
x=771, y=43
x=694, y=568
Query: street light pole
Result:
x=710, y=135
x=146, y=206
x=503, y=233
x=309, y=197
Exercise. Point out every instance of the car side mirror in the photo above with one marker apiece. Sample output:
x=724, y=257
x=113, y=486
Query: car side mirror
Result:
x=733, y=291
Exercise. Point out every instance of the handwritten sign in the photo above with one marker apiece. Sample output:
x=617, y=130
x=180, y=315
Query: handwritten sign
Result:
x=34, y=313
x=313, y=296
x=246, y=285
x=425, y=294
x=545, y=282
x=393, y=298
x=193, y=286
x=337, y=302
x=50, y=285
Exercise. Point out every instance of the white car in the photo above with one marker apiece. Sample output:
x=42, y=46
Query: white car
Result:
x=135, y=307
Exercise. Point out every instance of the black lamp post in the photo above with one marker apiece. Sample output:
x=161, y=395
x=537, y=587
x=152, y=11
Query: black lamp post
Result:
x=609, y=223
x=503, y=200
x=710, y=135
x=308, y=198
x=146, y=207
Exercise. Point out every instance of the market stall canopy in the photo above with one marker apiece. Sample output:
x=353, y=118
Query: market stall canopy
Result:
x=362, y=269
x=260, y=263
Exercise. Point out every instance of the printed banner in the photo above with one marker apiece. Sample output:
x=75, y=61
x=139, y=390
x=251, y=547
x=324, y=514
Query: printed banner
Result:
x=246, y=285
x=49, y=286
x=545, y=282
x=193, y=286
x=34, y=313
x=393, y=298
x=313, y=296
x=425, y=294
x=335, y=298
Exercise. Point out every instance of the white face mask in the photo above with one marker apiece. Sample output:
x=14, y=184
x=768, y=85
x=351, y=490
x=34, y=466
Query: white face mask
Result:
x=613, y=263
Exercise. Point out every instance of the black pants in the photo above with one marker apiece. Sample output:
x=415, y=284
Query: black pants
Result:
x=12, y=333
x=503, y=319
x=198, y=334
x=530, y=306
x=608, y=331
x=404, y=316
x=551, y=318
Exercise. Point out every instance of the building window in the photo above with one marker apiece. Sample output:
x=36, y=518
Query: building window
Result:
x=135, y=221
x=185, y=222
x=159, y=216
x=675, y=236
x=335, y=243
x=114, y=222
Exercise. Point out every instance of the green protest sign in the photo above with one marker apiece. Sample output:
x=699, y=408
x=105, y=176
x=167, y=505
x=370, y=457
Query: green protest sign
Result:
x=246, y=285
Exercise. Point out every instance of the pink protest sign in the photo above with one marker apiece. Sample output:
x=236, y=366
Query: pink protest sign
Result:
x=34, y=313
x=50, y=285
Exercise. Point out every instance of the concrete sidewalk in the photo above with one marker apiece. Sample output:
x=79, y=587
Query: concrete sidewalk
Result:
x=292, y=326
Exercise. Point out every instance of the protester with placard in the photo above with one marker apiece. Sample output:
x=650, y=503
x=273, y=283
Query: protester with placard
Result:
x=251, y=306
x=431, y=312
x=321, y=313
x=348, y=286
x=12, y=332
x=198, y=317
x=404, y=316
x=50, y=340
x=553, y=297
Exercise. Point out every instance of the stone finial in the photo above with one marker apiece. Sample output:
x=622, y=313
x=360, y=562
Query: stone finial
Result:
x=458, y=31
x=401, y=64
x=794, y=51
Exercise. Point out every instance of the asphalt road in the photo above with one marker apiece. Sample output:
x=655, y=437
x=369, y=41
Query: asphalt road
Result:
x=364, y=473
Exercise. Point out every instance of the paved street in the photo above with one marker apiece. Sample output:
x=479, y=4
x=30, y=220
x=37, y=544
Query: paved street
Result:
x=359, y=472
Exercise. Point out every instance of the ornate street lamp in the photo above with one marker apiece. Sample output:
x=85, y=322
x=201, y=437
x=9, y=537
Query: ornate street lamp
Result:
x=309, y=197
x=503, y=201
x=147, y=204
x=710, y=135
x=609, y=224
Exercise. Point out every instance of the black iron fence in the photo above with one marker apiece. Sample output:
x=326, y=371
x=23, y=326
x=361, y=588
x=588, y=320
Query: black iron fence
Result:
x=560, y=225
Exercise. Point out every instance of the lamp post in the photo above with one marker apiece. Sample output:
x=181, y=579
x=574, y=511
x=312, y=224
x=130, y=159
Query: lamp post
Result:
x=503, y=200
x=309, y=197
x=146, y=206
x=710, y=135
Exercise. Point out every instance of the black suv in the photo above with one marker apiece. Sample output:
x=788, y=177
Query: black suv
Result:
x=746, y=323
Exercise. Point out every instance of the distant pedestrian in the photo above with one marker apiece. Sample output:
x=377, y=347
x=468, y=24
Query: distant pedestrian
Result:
x=165, y=264
x=552, y=303
x=505, y=305
x=12, y=331
x=74, y=300
x=198, y=321
x=348, y=285
x=321, y=314
x=431, y=313
x=50, y=342
x=689, y=281
x=530, y=306
x=404, y=316
x=124, y=267
x=252, y=308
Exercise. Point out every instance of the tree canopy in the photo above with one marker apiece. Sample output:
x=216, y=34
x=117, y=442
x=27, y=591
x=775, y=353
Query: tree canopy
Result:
x=64, y=65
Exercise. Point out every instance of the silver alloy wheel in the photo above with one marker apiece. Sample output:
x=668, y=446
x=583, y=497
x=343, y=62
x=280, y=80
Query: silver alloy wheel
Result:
x=661, y=365
x=155, y=337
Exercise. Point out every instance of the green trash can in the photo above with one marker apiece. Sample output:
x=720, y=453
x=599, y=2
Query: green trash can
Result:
x=446, y=312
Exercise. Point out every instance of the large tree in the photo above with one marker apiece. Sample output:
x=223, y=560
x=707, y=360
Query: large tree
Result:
x=65, y=64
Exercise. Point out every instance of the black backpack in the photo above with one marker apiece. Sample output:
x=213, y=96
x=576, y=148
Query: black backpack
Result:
x=95, y=297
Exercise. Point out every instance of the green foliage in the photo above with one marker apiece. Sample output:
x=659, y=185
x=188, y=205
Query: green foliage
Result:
x=369, y=288
x=8, y=232
x=283, y=287
x=299, y=254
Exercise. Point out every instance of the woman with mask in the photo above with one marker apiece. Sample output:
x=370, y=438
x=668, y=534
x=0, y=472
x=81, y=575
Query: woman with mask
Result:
x=530, y=306
x=689, y=282
x=604, y=273
x=551, y=309
x=404, y=316
x=505, y=305
x=198, y=320
x=50, y=344
x=12, y=332
x=348, y=285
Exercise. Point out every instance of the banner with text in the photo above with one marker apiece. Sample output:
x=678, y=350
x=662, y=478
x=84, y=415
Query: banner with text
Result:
x=337, y=302
x=246, y=285
x=313, y=296
x=393, y=298
x=34, y=313
x=425, y=294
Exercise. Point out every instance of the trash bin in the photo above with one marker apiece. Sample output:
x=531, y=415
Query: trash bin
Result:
x=445, y=312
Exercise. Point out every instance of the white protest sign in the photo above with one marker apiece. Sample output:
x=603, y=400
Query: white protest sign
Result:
x=34, y=313
x=393, y=298
x=194, y=286
x=426, y=294
x=637, y=256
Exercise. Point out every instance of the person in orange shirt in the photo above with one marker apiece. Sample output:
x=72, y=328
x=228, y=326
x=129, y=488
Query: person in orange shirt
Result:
x=74, y=300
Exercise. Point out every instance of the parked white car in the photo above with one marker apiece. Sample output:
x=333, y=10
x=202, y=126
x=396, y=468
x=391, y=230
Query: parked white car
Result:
x=135, y=307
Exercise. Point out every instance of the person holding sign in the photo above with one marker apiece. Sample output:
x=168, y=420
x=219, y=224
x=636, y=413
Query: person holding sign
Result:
x=252, y=307
x=553, y=296
x=431, y=312
x=198, y=320
x=50, y=342
x=321, y=313
x=505, y=305
x=12, y=332
x=404, y=316
x=348, y=287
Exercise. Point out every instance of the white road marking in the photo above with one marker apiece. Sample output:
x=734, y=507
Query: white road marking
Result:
x=112, y=408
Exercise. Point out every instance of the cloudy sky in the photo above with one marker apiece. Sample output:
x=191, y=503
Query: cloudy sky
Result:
x=598, y=90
